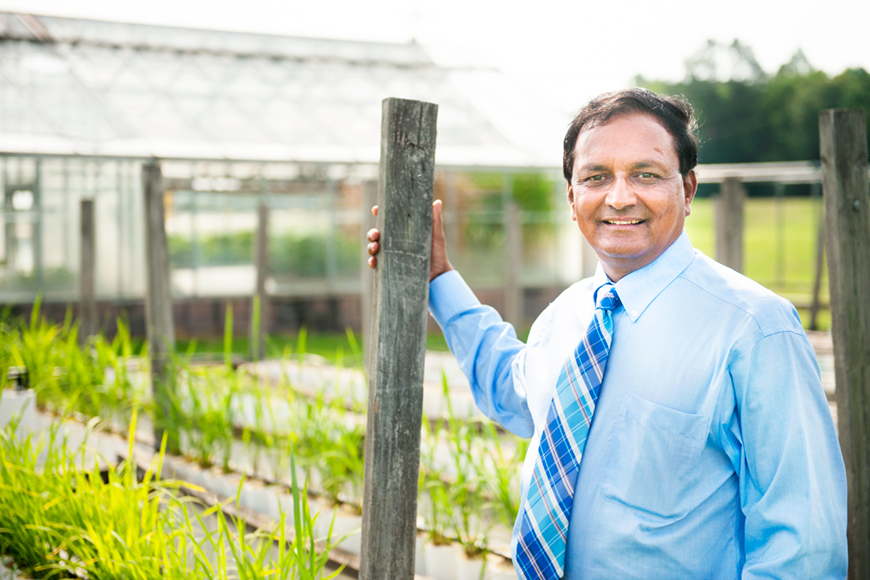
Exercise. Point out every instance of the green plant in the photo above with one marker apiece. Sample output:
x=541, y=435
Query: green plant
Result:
x=203, y=409
x=59, y=519
x=435, y=501
x=502, y=483
x=340, y=460
x=466, y=492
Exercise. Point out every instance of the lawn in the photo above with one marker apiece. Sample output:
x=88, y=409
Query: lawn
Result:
x=779, y=244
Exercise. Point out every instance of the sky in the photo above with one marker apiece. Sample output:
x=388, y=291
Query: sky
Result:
x=565, y=51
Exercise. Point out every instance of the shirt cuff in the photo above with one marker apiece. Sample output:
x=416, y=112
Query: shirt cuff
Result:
x=449, y=296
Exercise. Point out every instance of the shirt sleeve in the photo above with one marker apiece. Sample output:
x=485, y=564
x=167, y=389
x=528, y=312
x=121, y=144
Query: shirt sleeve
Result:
x=792, y=476
x=487, y=350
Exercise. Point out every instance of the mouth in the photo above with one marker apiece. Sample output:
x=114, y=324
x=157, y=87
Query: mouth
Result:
x=622, y=221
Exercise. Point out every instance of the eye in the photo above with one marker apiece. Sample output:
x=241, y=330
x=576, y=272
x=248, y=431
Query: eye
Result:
x=647, y=175
x=593, y=179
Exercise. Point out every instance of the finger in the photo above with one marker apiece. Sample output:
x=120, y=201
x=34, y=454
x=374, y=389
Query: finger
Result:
x=373, y=262
x=373, y=248
x=437, y=224
x=375, y=211
x=373, y=235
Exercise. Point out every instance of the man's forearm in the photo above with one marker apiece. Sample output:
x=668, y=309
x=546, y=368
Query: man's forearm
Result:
x=486, y=348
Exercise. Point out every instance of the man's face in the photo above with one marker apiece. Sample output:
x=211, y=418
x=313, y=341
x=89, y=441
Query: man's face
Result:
x=626, y=192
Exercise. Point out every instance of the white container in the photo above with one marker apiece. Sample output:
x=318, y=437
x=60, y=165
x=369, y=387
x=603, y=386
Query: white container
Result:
x=441, y=561
x=21, y=403
x=348, y=523
x=257, y=496
x=469, y=568
x=419, y=554
x=500, y=569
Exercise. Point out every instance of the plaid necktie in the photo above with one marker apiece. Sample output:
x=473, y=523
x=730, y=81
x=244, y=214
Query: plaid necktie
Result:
x=547, y=509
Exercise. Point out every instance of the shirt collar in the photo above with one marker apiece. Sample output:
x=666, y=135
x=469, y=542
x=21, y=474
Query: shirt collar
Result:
x=638, y=289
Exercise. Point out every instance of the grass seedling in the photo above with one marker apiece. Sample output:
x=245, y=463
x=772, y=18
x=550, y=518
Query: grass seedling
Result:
x=503, y=481
x=466, y=493
x=303, y=553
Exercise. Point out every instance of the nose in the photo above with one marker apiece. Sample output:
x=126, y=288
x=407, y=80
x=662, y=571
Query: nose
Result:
x=621, y=194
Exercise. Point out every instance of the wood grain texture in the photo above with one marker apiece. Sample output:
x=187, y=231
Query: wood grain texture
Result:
x=729, y=224
x=843, y=141
x=367, y=275
x=158, y=301
x=401, y=294
x=87, y=273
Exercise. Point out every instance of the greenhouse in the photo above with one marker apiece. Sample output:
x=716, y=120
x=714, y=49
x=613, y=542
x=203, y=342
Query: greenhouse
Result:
x=132, y=462
x=237, y=123
x=235, y=120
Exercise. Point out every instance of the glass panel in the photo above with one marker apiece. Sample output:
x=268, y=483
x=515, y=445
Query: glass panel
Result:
x=211, y=243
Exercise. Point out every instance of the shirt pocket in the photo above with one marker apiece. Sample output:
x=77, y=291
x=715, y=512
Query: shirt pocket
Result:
x=652, y=458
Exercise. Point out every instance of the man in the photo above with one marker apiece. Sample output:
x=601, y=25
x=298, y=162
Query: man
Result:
x=711, y=452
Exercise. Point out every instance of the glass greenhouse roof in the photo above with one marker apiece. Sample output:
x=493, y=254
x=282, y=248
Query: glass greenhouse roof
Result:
x=81, y=87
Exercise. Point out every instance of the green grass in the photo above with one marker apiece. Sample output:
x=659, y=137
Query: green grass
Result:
x=58, y=519
x=779, y=248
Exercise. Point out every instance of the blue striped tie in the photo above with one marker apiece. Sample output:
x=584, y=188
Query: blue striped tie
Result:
x=547, y=507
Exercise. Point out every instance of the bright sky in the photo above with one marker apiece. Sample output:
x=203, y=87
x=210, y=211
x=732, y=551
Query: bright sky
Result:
x=565, y=50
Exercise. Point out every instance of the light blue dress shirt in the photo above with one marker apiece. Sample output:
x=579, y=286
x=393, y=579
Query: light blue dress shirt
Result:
x=712, y=452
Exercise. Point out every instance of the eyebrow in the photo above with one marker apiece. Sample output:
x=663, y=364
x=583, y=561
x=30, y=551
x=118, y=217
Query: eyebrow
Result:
x=639, y=165
x=649, y=164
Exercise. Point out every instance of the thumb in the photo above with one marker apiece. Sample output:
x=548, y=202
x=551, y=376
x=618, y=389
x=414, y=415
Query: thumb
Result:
x=436, y=216
x=439, y=262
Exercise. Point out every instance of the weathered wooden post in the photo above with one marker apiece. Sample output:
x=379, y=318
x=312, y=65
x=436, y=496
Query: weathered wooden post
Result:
x=843, y=141
x=261, y=301
x=729, y=223
x=158, y=305
x=367, y=276
x=401, y=293
x=87, y=273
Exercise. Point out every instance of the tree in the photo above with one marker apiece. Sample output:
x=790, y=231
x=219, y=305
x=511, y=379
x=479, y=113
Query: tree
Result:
x=752, y=116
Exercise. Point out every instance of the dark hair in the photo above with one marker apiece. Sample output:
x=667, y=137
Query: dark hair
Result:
x=675, y=114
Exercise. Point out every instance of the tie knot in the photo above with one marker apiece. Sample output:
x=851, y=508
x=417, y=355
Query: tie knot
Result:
x=606, y=297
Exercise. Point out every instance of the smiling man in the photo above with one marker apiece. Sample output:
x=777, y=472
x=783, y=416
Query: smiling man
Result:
x=679, y=427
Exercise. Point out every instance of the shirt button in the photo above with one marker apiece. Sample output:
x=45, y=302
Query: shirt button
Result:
x=633, y=313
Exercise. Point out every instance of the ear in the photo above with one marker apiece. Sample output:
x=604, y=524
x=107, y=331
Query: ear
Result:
x=571, y=203
x=690, y=187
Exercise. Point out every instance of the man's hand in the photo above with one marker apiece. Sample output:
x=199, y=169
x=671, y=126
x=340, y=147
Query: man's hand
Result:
x=438, y=263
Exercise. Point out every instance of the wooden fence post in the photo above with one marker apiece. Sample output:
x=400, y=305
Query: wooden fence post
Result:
x=729, y=223
x=87, y=273
x=261, y=300
x=843, y=141
x=158, y=305
x=367, y=275
x=395, y=407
